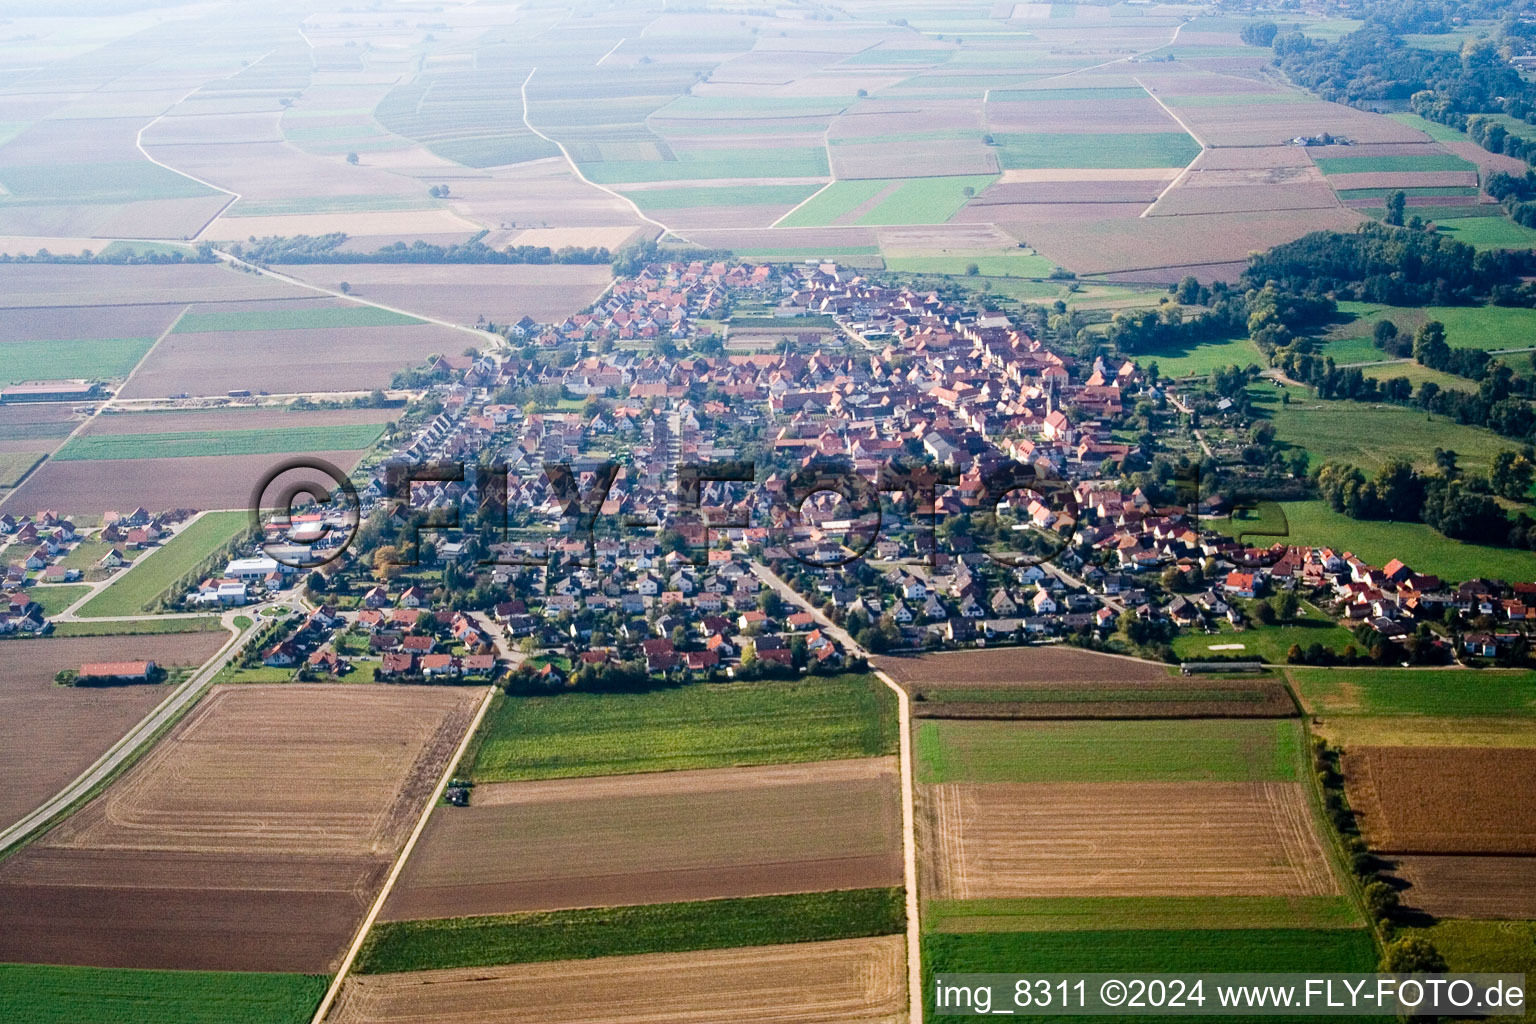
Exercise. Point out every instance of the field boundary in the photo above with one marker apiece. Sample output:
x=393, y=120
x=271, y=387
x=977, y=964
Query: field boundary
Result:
x=909, y=850
x=399, y=865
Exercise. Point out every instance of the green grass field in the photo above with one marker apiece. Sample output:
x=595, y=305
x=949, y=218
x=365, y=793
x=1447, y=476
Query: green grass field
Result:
x=705, y=725
x=135, y=589
x=56, y=597
x=75, y=183
x=187, y=443
x=314, y=318
x=1418, y=192
x=1392, y=164
x=91, y=358
x=1134, y=149
x=1201, y=359
x=832, y=202
x=1486, y=947
x=1367, y=435
x=1485, y=327
x=1488, y=232
x=696, y=164
x=1378, y=542
x=927, y=200
x=138, y=627
x=1434, y=129
x=1190, y=750
x=1161, y=951
x=1268, y=643
x=726, y=195
x=14, y=464
x=1093, y=913
x=1440, y=692
x=1007, y=263
x=623, y=931
x=1352, y=350
x=1417, y=374
x=45, y=994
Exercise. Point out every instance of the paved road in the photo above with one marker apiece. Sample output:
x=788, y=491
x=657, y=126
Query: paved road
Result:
x=182, y=698
x=908, y=812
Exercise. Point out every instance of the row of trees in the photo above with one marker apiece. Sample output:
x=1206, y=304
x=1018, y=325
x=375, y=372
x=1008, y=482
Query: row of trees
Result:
x=1464, y=508
x=327, y=249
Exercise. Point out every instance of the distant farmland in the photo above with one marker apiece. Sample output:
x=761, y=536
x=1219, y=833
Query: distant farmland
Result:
x=279, y=319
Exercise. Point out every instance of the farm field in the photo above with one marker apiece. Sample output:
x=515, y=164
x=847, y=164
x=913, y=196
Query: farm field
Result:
x=288, y=361
x=1194, y=698
x=1174, y=950
x=1032, y=150
x=51, y=285
x=1016, y=840
x=1487, y=946
x=858, y=981
x=197, y=482
x=697, y=726
x=93, y=358
x=243, y=822
x=186, y=443
x=1484, y=233
x=1499, y=888
x=1094, y=913
x=49, y=734
x=1204, y=750
x=306, y=317
x=654, y=838
x=136, y=588
x=463, y=294
x=887, y=201
x=1462, y=800
x=1006, y=665
x=44, y=994
x=1431, y=692
x=632, y=930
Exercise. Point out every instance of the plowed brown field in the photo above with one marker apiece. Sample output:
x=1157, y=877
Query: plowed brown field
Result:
x=657, y=838
x=1501, y=888
x=49, y=734
x=856, y=981
x=1121, y=839
x=1007, y=665
x=251, y=838
x=1444, y=799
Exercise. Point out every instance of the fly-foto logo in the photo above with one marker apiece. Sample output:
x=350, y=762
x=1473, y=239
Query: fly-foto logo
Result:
x=309, y=511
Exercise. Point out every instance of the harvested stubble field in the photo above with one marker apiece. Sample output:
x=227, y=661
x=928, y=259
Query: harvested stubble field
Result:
x=659, y=837
x=853, y=981
x=248, y=839
x=49, y=734
x=1013, y=840
x=1008, y=665
x=1235, y=698
x=1467, y=800
x=1497, y=888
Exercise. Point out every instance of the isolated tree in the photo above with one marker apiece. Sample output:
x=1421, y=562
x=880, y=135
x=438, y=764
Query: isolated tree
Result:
x=352, y=159
x=972, y=269
x=968, y=191
x=1395, y=204
x=1412, y=955
x=1380, y=900
x=346, y=289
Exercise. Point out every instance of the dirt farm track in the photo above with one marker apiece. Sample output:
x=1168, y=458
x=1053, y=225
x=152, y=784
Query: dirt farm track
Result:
x=250, y=838
x=856, y=981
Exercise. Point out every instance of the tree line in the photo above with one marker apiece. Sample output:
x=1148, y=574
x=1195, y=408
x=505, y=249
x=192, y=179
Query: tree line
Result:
x=327, y=249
